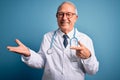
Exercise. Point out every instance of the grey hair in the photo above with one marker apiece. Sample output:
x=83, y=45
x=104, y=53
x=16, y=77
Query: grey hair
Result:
x=68, y=2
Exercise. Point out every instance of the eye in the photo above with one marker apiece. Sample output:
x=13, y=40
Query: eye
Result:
x=69, y=14
x=60, y=14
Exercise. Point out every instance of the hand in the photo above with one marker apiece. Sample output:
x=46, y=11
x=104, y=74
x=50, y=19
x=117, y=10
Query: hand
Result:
x=20, y=49
x=81, y=51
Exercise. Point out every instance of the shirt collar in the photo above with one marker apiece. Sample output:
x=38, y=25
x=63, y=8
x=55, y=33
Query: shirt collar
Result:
x=70, y=34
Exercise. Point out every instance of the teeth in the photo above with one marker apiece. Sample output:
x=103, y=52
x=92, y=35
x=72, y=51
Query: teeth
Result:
x=63, y=22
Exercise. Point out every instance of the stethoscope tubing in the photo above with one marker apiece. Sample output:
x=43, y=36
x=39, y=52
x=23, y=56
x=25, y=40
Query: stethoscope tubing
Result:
x=53, y=37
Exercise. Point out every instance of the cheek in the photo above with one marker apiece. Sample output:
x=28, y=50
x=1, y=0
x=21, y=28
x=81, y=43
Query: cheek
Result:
x=58, y=21
x=72, y=22
x=74, y=19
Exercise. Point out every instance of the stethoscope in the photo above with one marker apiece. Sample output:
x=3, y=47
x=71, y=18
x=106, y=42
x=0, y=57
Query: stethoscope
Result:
x=73, y=41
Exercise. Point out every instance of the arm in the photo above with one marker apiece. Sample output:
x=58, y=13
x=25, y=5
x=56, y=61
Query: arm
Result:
x=87, y=56
x=30, y=57
x=36, y=60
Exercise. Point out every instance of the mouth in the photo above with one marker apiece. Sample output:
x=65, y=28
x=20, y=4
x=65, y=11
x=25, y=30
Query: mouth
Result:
x=64, y=23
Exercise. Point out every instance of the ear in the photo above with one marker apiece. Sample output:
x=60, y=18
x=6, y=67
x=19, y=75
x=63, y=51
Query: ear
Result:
x=56, y=15
x=76, y=17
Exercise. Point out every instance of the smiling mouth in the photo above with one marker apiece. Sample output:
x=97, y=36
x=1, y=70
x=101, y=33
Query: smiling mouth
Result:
x=63, y=22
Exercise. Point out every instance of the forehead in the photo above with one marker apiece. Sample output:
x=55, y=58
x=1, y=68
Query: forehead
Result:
x=66, y=8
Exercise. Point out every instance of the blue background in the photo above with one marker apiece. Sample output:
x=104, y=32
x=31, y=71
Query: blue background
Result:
x=29, y=20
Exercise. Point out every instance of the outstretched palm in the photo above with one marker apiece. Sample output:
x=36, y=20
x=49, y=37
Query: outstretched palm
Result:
x=20, y=49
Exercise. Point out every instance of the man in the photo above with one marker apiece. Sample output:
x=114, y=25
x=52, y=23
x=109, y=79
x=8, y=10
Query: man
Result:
x=61, y=58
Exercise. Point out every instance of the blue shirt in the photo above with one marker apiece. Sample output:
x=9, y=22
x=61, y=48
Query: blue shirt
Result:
x=62, y=63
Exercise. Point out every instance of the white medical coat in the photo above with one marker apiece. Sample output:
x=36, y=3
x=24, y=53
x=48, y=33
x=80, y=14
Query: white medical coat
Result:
x=62, y=63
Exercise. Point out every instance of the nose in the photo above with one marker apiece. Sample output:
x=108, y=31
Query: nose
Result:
x=64, y=16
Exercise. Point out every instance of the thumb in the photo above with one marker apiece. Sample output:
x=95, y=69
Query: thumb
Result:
x=18, y=42
x=80, y=43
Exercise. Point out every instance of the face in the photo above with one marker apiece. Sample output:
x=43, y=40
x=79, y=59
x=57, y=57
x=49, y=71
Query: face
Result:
x=66, y=17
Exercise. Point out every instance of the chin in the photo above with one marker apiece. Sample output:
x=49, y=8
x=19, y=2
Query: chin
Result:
x=65, y=27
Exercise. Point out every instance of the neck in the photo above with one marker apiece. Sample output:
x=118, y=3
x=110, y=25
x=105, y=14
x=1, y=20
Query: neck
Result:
x=66, y=31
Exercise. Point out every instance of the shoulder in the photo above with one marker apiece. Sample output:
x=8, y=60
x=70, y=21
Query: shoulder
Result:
x=83, y=36
x=49, y=34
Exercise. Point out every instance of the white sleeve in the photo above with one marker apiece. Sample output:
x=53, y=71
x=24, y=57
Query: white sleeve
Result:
x=35, y=60
x=38, y=60
x=91, y=65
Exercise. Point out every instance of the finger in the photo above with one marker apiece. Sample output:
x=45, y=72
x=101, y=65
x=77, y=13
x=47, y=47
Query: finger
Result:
x=82, y=52
x=18, y=42
x=14, y=49
x=75, y=47
x=8, y=47
x=81, y=55
x=80, y=43
x=11, y=48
